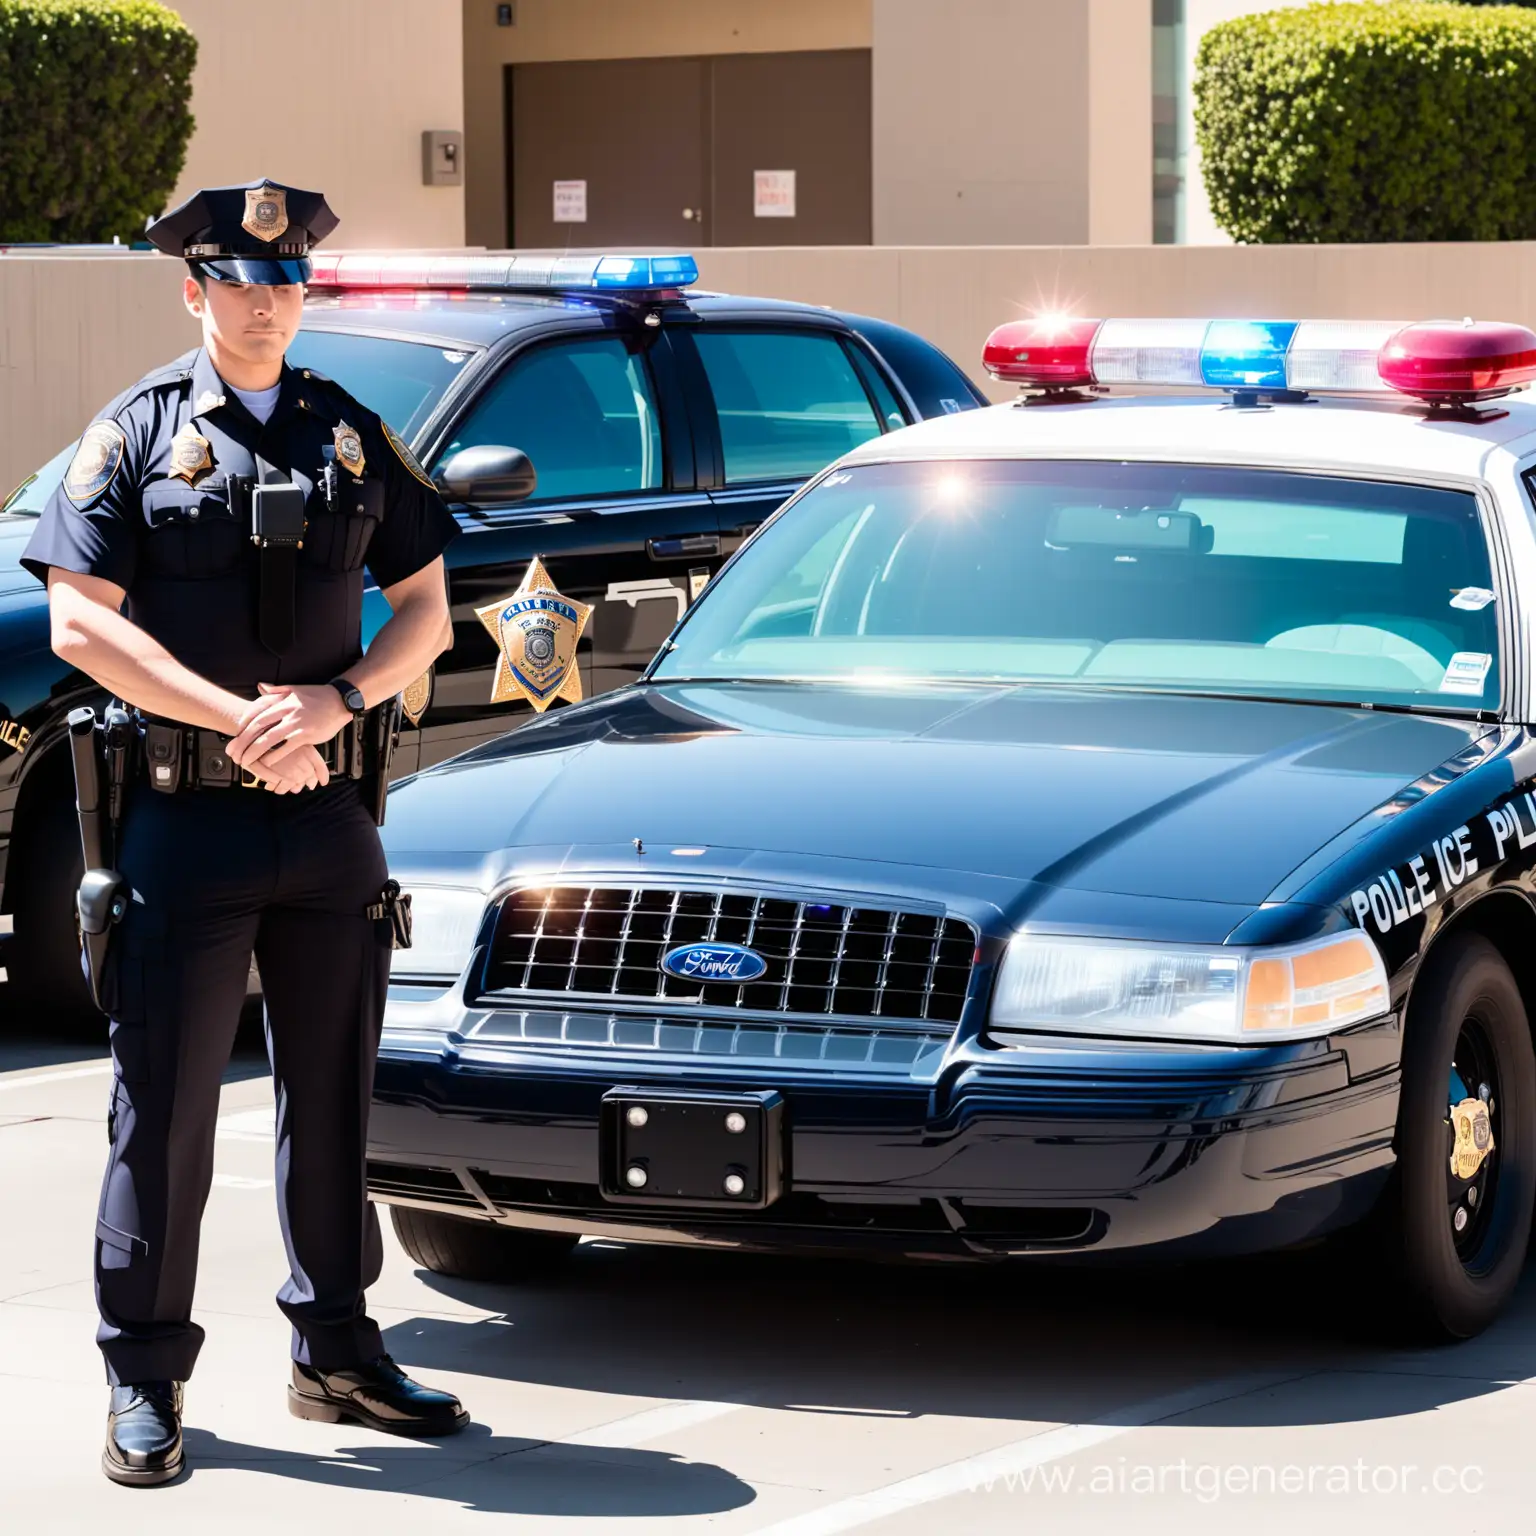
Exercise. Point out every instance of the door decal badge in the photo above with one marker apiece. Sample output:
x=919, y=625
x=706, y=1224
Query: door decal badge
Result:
x=536, y=629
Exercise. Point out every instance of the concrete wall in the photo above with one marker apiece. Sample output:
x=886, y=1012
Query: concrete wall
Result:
x=549, y=30
x=74, y=331
x=1012, y=121
x=332, y=95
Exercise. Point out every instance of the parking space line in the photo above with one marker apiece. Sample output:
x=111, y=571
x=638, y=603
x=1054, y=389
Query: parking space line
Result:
x=974, y=1472
x=650, y=1424
x=39, y=1079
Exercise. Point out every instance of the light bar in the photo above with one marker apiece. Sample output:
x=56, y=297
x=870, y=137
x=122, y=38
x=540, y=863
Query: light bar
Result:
x=1440, y=362
x=549, y=274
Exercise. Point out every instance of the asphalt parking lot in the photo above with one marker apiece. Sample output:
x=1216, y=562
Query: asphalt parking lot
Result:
x=659, y=1389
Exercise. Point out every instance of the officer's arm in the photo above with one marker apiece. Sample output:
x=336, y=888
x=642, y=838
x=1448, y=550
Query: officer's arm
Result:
x=89, y=632
x=417, y=633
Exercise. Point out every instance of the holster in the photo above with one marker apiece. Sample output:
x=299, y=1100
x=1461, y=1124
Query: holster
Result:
x=394, y=908
x=383, y=726
x=104, y=757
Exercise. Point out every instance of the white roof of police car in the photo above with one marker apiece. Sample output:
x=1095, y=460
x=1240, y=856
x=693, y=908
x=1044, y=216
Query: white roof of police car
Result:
x=1390, y=436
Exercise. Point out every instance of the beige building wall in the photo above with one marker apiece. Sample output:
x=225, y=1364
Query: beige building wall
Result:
x=1012, y=121
x=331, y=95
x=550, y=30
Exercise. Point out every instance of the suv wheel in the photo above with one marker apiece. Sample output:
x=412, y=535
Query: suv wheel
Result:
x=1459, y=1205
x=468, y=1249
x=43, y=953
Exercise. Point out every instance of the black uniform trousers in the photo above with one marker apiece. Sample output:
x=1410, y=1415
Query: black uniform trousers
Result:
x=218, y=874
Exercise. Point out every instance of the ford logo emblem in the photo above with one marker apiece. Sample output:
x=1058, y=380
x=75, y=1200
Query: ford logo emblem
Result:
x=732, y=963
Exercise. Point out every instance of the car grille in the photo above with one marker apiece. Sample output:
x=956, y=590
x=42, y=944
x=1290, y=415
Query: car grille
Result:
x=823, y=958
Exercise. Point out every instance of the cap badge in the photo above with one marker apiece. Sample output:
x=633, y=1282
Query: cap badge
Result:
x=190, y=455
x=536, y=630
x=349, y=449
x=96, y=461
x=266, y=212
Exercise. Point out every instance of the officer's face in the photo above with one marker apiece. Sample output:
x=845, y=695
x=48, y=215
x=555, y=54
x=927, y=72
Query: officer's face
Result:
x=252, y=322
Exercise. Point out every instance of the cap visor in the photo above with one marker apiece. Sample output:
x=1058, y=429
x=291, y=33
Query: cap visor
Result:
x=273, y=271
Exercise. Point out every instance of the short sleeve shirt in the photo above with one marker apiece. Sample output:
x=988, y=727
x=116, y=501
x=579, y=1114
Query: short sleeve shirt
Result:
x=153, y=503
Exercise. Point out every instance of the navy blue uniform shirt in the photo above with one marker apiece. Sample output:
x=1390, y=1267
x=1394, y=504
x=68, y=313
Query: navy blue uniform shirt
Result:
x=145, y=504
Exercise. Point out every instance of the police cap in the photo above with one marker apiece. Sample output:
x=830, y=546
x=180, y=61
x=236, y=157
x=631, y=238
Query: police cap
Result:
x=260, y=232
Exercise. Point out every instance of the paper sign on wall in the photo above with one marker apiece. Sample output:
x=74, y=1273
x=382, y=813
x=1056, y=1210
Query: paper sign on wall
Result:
x=773, y=194
x=570, y=202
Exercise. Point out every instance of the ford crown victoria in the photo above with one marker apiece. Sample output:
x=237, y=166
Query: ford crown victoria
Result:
x=1080, y=827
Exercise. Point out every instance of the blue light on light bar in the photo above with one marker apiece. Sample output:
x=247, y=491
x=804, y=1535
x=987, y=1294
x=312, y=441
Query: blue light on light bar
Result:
x=1246, y=354
x=646, y=272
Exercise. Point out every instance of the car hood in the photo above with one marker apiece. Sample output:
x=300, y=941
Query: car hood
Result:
x=1025, y=792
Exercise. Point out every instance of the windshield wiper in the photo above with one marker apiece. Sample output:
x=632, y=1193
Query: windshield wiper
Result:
x=1076, y=685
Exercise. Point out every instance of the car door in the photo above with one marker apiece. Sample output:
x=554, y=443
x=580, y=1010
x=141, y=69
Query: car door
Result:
x=616, y=519
x=780, y=402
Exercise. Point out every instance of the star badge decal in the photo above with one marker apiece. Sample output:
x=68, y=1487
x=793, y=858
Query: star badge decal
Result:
x=536, y=629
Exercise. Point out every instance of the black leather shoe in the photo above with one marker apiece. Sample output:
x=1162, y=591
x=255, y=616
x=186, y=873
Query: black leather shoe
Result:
x=376, y=1393
x=144, y=1434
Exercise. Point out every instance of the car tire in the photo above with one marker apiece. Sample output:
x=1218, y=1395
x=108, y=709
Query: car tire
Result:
x=1465, y=1016
x=467, y=1249
x=43, y=953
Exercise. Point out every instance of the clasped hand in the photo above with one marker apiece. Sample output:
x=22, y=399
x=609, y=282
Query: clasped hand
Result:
x=279, y=732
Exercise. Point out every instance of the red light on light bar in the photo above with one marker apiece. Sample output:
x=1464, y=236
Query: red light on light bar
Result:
x=1446, y=363
x=1049, y=352
x=323, y=270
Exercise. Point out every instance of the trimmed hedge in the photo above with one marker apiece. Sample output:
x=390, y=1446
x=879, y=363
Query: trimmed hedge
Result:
x=94, y=117
x=1359, y=122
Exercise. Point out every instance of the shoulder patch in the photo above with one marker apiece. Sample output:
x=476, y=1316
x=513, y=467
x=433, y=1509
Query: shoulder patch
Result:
x=405, y=455
x=96, y=461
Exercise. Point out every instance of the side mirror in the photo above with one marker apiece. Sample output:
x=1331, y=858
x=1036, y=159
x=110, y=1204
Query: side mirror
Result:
x=489, y=475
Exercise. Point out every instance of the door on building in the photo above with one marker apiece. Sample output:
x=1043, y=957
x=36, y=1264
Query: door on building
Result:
x=743, y=149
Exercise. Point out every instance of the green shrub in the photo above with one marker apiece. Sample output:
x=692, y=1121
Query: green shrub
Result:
x=1359, y=122
x=94, y=117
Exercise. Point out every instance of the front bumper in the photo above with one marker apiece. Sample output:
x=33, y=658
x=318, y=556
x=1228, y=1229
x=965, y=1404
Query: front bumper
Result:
x=1064, y=1147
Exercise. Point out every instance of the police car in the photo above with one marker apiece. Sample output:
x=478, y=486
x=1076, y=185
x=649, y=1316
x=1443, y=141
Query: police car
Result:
x=593, y=412
x=1081, y=827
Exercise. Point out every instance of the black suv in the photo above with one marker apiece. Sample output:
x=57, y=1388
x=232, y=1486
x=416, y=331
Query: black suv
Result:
x=663, y=426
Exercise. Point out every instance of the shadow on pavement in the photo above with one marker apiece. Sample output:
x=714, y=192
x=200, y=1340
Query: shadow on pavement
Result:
x=498, y=1474
x=1062, y=1346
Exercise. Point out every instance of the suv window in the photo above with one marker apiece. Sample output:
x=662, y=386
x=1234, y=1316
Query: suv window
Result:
x=789, y=402
x=584, y=413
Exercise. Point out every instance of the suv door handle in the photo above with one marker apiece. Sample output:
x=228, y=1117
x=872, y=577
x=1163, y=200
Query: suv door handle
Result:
x=683, y=545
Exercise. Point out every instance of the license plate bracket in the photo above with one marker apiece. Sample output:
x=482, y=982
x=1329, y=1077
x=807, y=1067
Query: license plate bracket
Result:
x=692, y=1147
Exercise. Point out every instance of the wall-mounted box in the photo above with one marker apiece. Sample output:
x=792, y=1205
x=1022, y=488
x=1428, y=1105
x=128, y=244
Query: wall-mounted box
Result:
x=442, y=157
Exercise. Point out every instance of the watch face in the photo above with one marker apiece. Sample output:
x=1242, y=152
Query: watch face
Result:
x=355, y=701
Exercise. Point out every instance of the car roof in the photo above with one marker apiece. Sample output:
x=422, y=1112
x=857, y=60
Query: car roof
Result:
x=480, y=318
x=1374, y=436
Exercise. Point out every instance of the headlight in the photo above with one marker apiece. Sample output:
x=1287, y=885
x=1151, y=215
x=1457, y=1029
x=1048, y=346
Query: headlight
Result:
x=1178, y=992
x=444, y=922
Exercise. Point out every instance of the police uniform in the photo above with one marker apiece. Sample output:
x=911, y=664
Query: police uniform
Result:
x=158, y=501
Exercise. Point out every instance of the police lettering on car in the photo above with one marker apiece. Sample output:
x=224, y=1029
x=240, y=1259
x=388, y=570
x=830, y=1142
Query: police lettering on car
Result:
x=229, y=505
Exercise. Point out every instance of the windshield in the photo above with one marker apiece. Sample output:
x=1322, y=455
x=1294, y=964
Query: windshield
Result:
x=401, y=380
x=1150, y=576
x=32, y=494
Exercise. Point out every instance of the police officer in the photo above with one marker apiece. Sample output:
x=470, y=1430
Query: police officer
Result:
x=178, y=580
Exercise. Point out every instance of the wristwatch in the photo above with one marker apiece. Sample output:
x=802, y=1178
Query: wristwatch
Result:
x=352, y=697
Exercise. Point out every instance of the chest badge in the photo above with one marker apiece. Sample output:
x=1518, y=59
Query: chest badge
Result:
x=536, y=630
x=191, y=455
x=349, y=449
x=266, y=212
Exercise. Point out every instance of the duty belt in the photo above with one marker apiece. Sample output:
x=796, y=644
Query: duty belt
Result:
x=178, y=756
